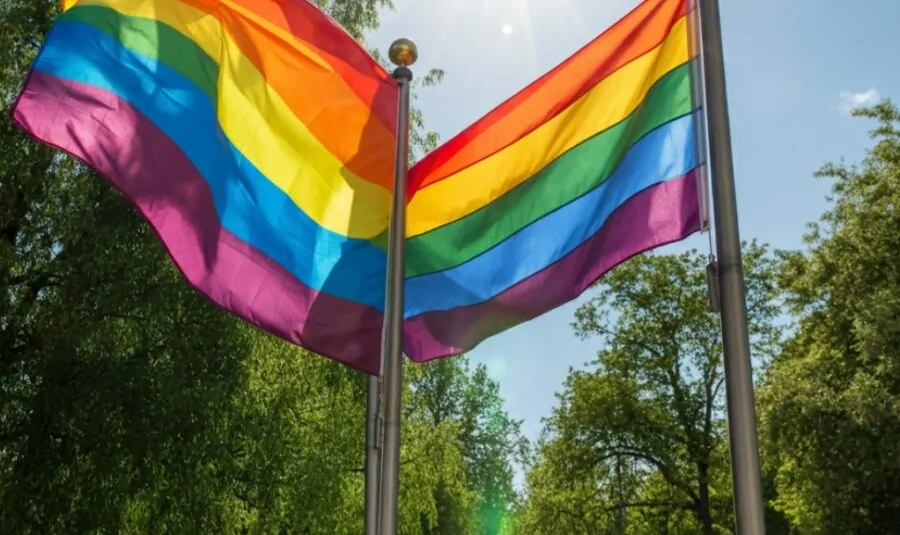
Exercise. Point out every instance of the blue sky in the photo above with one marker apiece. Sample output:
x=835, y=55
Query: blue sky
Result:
x=791, y=66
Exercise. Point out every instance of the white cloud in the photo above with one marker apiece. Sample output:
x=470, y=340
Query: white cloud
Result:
x=851, y=100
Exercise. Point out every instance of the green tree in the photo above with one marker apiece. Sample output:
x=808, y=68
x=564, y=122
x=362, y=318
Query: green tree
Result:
x=830, y=407
x=449, y=392
x=642, y=429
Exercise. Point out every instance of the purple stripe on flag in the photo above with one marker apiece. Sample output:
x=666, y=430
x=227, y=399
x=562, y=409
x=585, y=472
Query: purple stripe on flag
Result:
x=110, y=136
x=662, y=214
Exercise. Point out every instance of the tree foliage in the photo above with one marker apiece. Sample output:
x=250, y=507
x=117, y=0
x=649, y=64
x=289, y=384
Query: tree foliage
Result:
x=831, y=402
x=637, y=444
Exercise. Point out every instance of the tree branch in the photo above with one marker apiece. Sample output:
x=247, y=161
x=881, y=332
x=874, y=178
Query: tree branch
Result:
x=688, y=506
x=710, y=401
x=635, y=341
x=718, y=386
x=659, y=464
x=579, y=517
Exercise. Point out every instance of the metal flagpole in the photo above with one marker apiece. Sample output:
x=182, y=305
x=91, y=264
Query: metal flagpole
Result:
x=745, y=466
x=373, y=457
x=402, y=53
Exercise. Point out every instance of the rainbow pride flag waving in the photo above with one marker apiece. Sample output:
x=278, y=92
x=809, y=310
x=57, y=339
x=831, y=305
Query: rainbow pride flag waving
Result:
x=257, y=138
x=591, y=164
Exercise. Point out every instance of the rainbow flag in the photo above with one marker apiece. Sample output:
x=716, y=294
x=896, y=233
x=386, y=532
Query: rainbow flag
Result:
x=255, y=136
x=593, y=163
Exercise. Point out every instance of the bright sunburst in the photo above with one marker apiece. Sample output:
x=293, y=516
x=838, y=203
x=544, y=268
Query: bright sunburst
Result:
x=521, y=31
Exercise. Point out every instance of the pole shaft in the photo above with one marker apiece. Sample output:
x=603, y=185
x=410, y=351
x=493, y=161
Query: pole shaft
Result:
x=745, y=466
x=393, y=323
x=697, y=99
x=373, y=457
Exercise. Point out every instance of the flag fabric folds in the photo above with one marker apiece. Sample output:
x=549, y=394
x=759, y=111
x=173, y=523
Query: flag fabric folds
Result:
x=591, y=164
x=255, y=136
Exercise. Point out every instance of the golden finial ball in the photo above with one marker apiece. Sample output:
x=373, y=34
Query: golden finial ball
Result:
x=403, y=52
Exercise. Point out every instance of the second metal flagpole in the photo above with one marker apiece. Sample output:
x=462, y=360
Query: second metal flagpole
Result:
x=745, y=465
x=402, y=53
x=373, y=454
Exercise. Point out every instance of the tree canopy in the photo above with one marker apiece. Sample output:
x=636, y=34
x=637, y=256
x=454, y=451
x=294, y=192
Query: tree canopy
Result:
x=831, y=400
x=640, y=432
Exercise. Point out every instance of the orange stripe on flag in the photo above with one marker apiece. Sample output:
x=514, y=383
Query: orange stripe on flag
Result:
x=642, y=30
